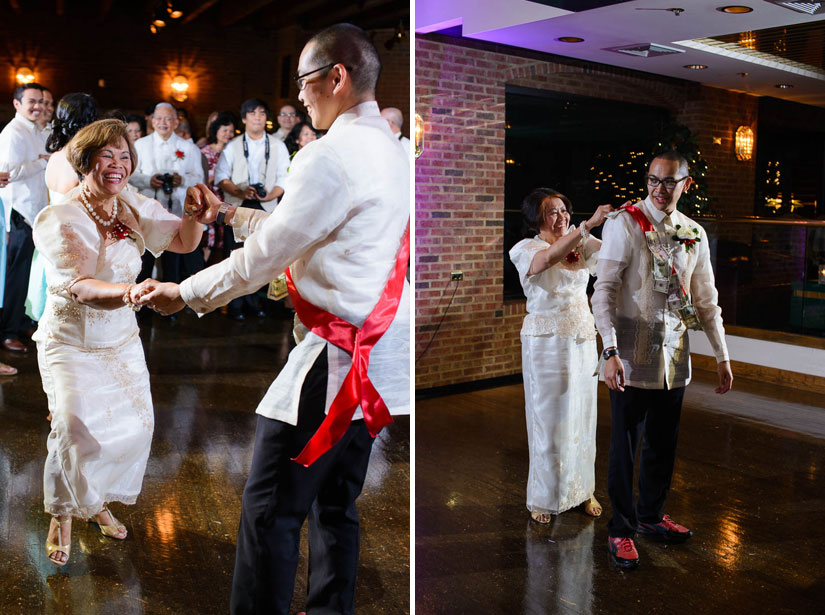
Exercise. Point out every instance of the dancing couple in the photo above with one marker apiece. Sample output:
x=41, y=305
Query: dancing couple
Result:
x=342, y=234
x=654, y=282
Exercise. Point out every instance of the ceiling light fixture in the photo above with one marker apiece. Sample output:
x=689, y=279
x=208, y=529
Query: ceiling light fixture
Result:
x=695, y=66
x=173, y=12
x=784, y=86
x=735, y=9
x=570, y=39
x=742, y=74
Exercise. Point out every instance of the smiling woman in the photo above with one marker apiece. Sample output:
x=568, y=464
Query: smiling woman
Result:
x=90, y=356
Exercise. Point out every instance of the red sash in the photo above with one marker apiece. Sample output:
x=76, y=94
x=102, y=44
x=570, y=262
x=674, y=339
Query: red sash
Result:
x=356, y=390
x=639, y=216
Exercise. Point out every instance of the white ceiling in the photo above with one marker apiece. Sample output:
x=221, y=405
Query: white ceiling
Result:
x=530, y=25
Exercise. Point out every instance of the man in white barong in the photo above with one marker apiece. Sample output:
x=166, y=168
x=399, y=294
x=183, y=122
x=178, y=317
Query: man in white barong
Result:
x=342, y=229
x=654, y=282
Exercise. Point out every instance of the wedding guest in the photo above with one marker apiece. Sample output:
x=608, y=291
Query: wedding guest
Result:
x=221, y=132
x=251, y=171
x=23, y=155
x=167, y=166
x=287, y=117
x=347, y=250
x=135, y=127
x=184, y=131
x=395, y=119
x=5, y=370
x=90, y=355
x=654, y=282
x=302, y=134
x=558, y=355
x=45, y=120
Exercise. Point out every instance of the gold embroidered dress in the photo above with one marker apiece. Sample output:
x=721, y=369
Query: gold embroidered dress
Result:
x=91, y=361
x=558, y=354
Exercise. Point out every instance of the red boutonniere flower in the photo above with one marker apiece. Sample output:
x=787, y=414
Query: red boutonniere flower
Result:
x=120, y=231
x=179, y=154
x=573, y=257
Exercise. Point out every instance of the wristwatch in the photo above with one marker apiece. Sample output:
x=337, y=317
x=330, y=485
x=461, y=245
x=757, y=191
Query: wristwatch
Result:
x=221, y=213
x=610, y=352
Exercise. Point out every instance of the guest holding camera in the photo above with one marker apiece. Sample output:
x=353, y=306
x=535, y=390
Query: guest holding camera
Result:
x=167, y=165
x=251, y=172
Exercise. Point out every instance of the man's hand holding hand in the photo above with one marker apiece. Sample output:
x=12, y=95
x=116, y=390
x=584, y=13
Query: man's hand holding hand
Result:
x=164, y=298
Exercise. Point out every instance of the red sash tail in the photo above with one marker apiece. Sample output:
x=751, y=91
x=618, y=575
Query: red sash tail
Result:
x=356, y=390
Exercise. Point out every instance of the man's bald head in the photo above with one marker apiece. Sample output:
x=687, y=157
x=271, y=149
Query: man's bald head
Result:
x=348, y=45
x=394, y=118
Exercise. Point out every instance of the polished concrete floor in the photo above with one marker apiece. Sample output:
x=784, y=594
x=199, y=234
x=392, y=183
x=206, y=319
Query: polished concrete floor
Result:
x=207, y=377
x=749, y=480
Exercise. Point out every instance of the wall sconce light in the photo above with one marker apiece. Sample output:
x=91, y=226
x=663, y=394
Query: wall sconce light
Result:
x=180, y=88
x=821, y=272
x=24, y=75
x=744, y=143
x=419, y=135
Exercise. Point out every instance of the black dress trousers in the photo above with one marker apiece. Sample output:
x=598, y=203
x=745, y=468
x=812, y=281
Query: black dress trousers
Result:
x=280, y=494
x=653, y=415
x=20, y=251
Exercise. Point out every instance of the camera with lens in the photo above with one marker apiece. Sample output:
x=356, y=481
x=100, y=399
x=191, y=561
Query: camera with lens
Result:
x=168, y=185
x=260, y=190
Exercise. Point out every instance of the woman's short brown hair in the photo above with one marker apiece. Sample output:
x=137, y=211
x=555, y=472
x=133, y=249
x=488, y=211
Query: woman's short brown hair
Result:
x=91, y=139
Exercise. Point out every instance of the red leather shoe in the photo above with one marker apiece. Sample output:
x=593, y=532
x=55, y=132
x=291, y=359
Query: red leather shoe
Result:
x=667, y=529
x=623, y=552
x=14, y=345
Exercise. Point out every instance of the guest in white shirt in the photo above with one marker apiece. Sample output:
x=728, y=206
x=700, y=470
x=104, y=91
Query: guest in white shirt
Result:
x=23, y=155
x=654, y=281
x=163, y=153
x=395, y=119
x=287, y=118
x=251, y=171
x=341, y=229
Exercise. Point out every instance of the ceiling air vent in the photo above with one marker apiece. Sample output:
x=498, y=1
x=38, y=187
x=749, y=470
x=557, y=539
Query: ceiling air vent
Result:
x=810, y=8
x=646, y=50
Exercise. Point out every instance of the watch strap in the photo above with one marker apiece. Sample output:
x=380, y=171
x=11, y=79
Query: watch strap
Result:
x=610, y=352
x=221, y=214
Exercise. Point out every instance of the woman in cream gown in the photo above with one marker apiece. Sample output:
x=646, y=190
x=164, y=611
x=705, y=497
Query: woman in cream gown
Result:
x=90, y=356
x=558, y=341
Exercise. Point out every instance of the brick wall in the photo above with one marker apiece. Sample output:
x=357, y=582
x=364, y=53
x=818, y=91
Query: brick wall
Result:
x=224, y=66
x=459, y=204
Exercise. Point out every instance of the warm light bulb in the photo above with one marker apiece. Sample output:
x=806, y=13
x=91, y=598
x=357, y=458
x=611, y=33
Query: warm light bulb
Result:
x=180, y=88
x=24, y=75
x=419, y=135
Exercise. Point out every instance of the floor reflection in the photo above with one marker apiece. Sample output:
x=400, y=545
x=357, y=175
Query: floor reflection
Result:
x=207, y=377
x=750, y=488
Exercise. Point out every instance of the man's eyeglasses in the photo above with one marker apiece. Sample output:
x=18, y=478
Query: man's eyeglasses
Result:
x=668, y=182
x=302, y=83
x=287, y=115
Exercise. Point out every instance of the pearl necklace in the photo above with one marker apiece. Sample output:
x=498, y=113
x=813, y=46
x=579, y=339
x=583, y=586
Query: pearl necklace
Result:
x=92, y=211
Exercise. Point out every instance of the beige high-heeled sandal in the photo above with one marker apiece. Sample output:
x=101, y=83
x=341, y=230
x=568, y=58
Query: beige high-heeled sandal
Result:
x=541, y=516
x=52, y=549
x=114, y=529
x=592, y=507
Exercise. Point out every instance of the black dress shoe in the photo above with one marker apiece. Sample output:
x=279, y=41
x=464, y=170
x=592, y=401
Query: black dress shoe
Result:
x=666, y=530
x=261, y=314
x=238, y=317
x=14, y=345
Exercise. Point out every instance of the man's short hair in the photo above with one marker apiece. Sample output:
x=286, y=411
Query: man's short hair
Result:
x=250, y=105
x=394, y=115
x=673, y=156
x=18, y=91
x=165, y=105
x=349, y=45
x=91, y=139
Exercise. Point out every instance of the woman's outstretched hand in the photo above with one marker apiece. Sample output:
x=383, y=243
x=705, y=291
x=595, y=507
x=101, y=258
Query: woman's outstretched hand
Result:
x=600, y=215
